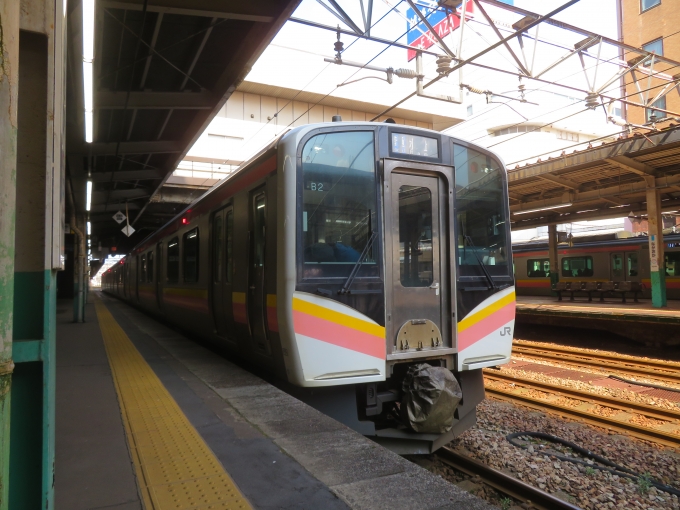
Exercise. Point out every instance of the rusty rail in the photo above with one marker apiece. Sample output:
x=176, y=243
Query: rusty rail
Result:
x=613, y=364
x=517, y=489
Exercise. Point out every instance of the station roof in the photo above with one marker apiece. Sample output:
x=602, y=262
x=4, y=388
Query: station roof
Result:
x=162, y=70
x=605, y=181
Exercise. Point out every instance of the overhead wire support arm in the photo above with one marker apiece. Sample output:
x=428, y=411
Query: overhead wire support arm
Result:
x=500, y=36
x=345, y=17
x=431, y=29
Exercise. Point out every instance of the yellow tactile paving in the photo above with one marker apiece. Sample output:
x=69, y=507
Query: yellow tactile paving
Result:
x=175, y=468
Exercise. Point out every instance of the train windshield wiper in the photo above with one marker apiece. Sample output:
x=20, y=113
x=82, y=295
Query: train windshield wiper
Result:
x=481, y=264
x=357, y=265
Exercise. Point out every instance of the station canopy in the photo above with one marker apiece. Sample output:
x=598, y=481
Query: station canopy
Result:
x=605, y=181
x=162, y=70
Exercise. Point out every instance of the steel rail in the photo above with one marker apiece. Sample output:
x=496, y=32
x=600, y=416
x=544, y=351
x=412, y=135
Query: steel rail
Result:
x=652, y=435
x=502, y=482
x=582, y=360
x=663, y=365
x=616, y=403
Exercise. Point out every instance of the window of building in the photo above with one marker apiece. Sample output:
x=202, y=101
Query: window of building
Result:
x=538, y=268
x=648, y=4
x=516, y=129
x=142, y=271
x=659, y=103
x=655, y=46
x=575, y=267
x=149, y=267
x=173, y=260
x=566, y=135
x=190, y=256
x=229, y=238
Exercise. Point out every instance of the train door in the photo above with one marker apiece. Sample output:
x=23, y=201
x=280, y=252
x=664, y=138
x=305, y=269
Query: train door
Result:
x=418, y=227
x=632, y=269
x=256, y=273
x=222, y=265
x=159, y=273
x=618, y=267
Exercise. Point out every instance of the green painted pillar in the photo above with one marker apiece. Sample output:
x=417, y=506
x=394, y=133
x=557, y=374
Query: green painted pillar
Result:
x=657, y=259
x=552, y=254
x=9, y=83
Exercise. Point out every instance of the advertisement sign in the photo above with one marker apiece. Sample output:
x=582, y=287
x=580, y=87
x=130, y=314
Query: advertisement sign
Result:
x=420, y=37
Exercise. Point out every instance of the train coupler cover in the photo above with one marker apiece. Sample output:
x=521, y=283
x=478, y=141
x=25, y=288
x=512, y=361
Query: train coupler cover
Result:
x=431, y=395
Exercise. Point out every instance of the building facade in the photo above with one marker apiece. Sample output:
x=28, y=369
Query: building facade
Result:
x=652, y=25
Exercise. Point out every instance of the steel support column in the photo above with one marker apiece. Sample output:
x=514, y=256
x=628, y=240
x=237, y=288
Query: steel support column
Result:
x=657, y=261
x=552, y=253
x=9, y=83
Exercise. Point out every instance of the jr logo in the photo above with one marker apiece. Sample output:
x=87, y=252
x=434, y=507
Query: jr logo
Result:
x=507, y=330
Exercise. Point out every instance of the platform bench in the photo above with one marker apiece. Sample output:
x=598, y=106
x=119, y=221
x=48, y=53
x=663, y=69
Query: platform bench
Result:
x=600, y=288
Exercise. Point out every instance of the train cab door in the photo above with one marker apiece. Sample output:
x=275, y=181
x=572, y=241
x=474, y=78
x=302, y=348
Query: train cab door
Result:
x=256, y=273
x=618, y=266
x=416, y=211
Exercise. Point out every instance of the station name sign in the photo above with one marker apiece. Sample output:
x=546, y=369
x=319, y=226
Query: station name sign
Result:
x=419, y=35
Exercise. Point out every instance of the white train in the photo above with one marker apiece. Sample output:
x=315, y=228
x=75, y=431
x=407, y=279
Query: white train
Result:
x=360, y=263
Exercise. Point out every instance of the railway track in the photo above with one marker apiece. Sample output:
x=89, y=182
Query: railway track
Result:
x=502, y=482
x=651, y=369
x=583, y=412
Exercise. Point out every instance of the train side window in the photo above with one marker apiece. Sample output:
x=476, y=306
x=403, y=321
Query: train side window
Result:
x=173, y=261
x=217, y=249
x=230, y=246
x=190, y=256
x=142, y=271
x=575, y=267
x=149, y=267
x=672, y=263
x=538, y=268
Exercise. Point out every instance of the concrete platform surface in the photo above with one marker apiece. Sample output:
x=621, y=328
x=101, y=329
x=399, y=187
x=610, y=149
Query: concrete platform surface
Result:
x=280, y=452
x=609, y=309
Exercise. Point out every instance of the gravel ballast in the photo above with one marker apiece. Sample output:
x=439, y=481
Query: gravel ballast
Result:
x=581, y=485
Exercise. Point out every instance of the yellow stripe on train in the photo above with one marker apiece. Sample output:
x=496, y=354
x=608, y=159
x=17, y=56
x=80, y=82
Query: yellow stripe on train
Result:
x=471, y=320
x=338, y=317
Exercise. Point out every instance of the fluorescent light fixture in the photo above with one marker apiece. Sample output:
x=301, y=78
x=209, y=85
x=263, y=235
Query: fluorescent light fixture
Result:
x=88, y=201
x=543, y=209
x=88, y=57
x=89, y=228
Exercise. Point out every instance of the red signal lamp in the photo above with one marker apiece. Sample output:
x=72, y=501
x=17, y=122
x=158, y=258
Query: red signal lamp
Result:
x=185, y=221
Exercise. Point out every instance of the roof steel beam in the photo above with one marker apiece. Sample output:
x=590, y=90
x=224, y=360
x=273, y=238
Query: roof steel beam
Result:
x=126, y=175
x=561, y=181
x=109, y=148
x=110, y=100
x=197, y=10
x=99, y=197
x=630, y=165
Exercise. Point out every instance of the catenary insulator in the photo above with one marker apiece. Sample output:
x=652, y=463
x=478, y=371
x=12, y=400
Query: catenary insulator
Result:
x=443, y=64
x=338, y=46
x=592, y=100
x=475, y=90
x=405, y=73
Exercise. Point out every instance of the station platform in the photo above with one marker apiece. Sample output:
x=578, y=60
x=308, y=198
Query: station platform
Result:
x=637, y=321
x=148, y=419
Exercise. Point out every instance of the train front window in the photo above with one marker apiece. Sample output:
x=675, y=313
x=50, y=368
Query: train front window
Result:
x=338, y=213
x=480, y=214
